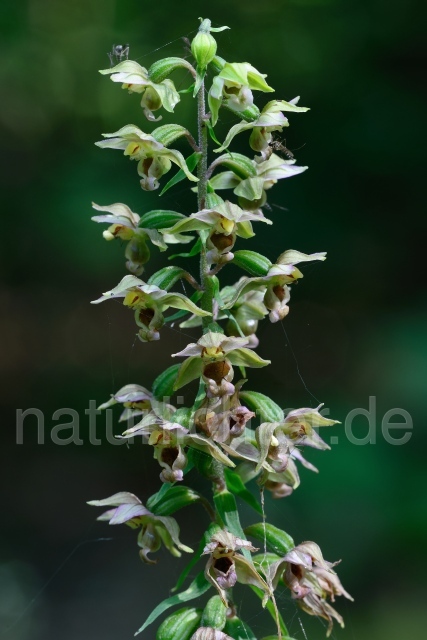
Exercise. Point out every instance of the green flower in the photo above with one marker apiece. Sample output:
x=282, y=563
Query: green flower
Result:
x=154, y=530
x=275, y=283
x=149, y=302
x=224, y=222
x=153, y=157
x=124, y=225
x=274, y=451
x=246, y=313
x=212, y=358
x=270, y=119
x=136, y=80
x=233, y=87
x=251, y=190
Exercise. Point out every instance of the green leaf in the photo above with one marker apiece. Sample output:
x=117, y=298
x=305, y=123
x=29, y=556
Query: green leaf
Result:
x=265, y=407
x=180, y=625
x=252, y=262
x=195, y=249
x=197, y=588
x=166, y=277
x=163, y=384
x=236, y=486
x=276, y=540
x=241, y=165
x=191, y=163
x=239, y=630
x=172, y=500
x=159, y=219
x=272, y=611
x=226, y=506
x=212, y=132
x=189, y=89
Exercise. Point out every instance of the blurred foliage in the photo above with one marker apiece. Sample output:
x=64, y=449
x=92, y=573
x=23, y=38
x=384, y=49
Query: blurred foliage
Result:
x=356, y=327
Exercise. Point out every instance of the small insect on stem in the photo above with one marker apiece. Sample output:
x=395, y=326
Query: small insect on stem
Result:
x=118, y=53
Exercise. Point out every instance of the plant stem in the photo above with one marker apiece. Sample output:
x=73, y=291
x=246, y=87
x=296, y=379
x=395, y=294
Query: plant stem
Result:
x=206, y=302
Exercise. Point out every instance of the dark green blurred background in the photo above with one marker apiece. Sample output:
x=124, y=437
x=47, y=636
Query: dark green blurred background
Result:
x=357, y=322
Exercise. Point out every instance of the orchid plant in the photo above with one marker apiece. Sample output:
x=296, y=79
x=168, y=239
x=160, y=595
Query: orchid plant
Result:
x=231, y=435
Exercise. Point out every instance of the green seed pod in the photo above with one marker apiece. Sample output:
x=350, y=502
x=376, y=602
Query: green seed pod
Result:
x=180, y=625
x=203, y=46
x=214, y=614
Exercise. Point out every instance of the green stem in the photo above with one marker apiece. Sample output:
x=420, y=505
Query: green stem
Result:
x=206, y=301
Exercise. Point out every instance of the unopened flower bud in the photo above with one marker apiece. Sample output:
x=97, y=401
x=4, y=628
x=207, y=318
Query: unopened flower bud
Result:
x=203, y=46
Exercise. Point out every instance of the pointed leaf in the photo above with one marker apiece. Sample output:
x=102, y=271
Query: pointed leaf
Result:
x=197, y=588
x=163, y=384
x=195, y=249
x=191, y=163
x=236, y=486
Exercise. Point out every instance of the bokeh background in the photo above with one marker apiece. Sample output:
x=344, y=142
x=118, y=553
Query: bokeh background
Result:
x=356, y=328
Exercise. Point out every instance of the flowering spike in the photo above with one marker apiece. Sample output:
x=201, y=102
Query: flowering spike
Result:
x=218, y=425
